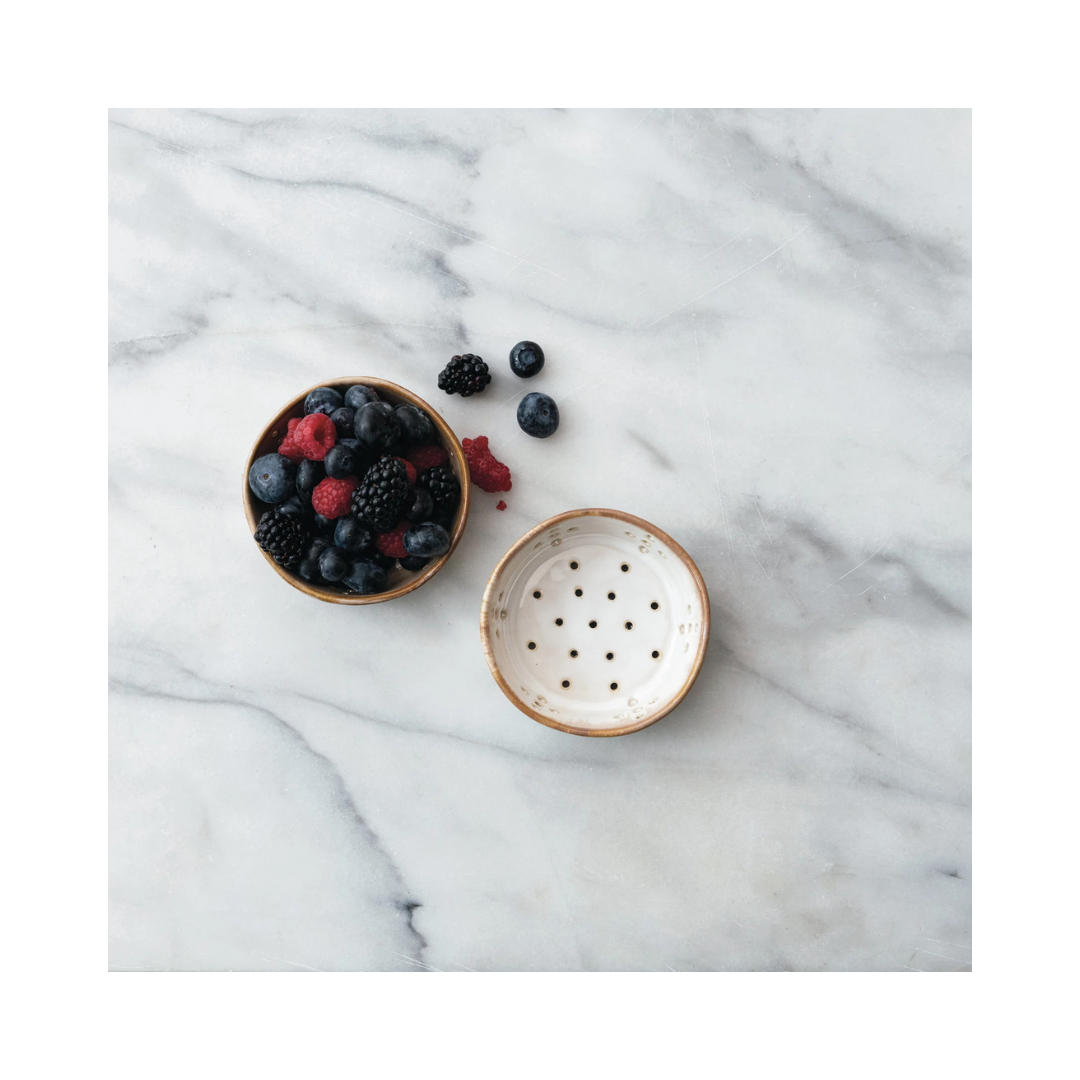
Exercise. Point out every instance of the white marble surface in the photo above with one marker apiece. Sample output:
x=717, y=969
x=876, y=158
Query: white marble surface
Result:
x=758, y=333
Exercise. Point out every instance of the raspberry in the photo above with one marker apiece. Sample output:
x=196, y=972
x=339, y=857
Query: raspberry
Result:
x=410, y=468
x=500, y=505
x=391, y=543
x=332, y=498
x=288, y=447
x=425, y=457
x=314, y=435
x=484, y=471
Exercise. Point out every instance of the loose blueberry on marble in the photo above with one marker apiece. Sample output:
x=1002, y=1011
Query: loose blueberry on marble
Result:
x=340, y=461
x=271, y=478
x=421, y=508
x=427, y=540
x=416, y=428
x=323, y=400
x=359, y=395
x=343, y=419
x=376, y=426
x=365, y=576
x=526, y=359
x=352, y=535
x=538, y=416
x=334, y=563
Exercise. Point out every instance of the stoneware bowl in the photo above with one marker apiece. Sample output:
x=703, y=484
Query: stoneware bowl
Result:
x=400, y=581
x=595, y=623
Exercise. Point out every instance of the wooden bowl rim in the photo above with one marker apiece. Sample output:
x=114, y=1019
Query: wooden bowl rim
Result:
x=645, y=526
x=450, y=442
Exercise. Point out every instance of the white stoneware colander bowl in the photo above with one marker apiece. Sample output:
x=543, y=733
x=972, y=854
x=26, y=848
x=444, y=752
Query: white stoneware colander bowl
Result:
x=595, y=623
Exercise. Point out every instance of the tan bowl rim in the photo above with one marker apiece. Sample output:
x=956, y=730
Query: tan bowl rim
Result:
x=450, y=441
x=645, y=526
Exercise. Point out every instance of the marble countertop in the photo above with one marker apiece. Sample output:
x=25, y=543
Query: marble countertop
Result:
x=757, y=327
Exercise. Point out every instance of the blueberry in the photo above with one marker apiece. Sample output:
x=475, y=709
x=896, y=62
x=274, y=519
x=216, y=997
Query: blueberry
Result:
x=526, y=359
x=421, y=508
x=324, y=400
x=376, y=426
x=413, y=562
x=351, y=534
x=416, y=428
x=365, y=576
x=271, y=478
x=343, y=421
x=426, y=540
x=357, y=396
x=334, y=563
x=308, y=475
x=309, y=570
x=296, y=507
x=340, y=461
x=538, y=416
x=385, y=561
x=318, y=546
x=324, y=525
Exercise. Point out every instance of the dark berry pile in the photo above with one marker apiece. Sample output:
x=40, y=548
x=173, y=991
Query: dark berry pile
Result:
x=465, y=375
x=344, y=501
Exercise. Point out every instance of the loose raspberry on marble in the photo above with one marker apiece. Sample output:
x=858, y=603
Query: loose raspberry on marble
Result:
x=391, y=542
x=485, y=471
x=500, y=505
x=426, y=457
x=314, y=435
x=331, y=497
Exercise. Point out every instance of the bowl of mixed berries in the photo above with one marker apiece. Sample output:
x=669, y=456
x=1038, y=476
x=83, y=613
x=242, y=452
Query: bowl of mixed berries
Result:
x=357, y=491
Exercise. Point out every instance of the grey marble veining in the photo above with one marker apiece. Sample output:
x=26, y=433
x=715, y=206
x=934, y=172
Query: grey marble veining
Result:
x=758, y=333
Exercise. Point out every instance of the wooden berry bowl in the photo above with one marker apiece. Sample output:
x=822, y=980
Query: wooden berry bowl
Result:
x=400, y=581
x=595, y=623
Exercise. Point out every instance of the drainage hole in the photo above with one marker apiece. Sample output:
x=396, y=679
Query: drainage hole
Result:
x=654, y=605
x=611, y=656
x=573, y=565
x=537, y=594
x=629, y=625
x=558, y=622
x=625, y=568
x=566, y=683
x=573, y=652
x=592, y=624
x=614, y=686
x=532, y=644
x=611, y=596
x=655, y=654
x=577, y=592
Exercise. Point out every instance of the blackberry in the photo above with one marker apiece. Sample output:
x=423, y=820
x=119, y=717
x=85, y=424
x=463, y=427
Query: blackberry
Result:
x=443, y=486
x=283, y=537
x=382, y=493
x=465, y=375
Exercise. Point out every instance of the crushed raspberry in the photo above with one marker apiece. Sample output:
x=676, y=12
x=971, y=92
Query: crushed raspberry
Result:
x=314, y=435
x=410, y=468
x=392, y=543
x=500, y=505
x=484, y=471
x=427, y=457
x=331, y=498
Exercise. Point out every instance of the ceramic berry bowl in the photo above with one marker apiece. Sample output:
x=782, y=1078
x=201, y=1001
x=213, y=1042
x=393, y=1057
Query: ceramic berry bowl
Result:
x=595, y=623
x=398, y=581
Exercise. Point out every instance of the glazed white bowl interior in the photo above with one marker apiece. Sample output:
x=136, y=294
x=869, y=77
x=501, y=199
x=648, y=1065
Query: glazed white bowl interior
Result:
x=595, y=623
